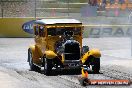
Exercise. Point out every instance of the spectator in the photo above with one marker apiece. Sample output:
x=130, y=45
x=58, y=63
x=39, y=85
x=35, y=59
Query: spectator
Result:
x=93, y=2
x=112, y=1
x=121, y=1
x=104, y=1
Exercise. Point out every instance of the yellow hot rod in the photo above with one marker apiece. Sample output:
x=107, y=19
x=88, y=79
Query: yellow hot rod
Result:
x=58, y=45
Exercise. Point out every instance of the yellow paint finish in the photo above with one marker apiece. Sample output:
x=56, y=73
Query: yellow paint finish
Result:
x=40, y=44
x=50, y=54
x=85, y=57
x=12, y=27
x=46, y=44
x=35, y=54
x=93, y=52
x=51, y=40
x=62, y=58
x=84, y=73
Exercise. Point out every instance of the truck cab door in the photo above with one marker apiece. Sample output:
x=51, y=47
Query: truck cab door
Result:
x=36, y=33
x=42, y=39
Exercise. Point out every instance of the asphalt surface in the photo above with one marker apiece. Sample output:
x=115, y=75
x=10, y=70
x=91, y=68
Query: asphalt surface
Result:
x=14, y=70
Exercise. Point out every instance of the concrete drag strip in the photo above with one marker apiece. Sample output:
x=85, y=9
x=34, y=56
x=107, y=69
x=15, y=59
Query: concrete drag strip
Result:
x=42, y=80
x=6, y=83
x=120, y=53
x=116, y=67
x=14, y=70
x=11, y=79
x=29, y=79
x=116, y=72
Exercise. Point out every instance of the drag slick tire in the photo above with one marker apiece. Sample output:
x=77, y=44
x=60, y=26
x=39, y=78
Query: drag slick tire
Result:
x=30, y=60
x=47, y=66
x=96, y=65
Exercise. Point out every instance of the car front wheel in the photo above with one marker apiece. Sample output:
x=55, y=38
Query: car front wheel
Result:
x=47, y=66
x=32, y=66
x=96, y=65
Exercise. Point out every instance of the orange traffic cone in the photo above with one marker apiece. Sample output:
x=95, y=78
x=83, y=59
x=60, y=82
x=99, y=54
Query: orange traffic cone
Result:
x=84, y=73
x=84, y=81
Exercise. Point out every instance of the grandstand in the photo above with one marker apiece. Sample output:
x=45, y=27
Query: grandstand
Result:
x=60, y=8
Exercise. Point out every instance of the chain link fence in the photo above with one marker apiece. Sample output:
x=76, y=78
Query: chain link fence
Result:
x=53, y=8
x=78, y=9
x=17, y=8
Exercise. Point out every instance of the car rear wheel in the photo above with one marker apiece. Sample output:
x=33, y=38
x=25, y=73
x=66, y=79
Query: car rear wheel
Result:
x=32, y=66
x=47, y=66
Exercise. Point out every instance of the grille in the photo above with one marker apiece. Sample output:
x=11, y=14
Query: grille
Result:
x=72, y=51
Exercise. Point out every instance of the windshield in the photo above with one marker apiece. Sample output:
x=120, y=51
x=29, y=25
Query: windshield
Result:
x=62, y=30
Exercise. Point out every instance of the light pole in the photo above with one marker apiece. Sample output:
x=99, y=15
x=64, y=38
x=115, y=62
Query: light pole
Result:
x=129, y=21
x=2, y=9
x=68, y=8
x=35, y=9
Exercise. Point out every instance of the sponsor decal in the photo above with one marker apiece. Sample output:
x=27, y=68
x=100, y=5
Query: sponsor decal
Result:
x=110, y=82
x=28, y=27
x=110, y=32
x=85, y=81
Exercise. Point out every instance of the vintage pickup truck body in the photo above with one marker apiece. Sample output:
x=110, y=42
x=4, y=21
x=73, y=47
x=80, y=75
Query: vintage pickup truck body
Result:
x=58, y=44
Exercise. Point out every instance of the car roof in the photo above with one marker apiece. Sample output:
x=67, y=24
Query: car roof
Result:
x=57, y=21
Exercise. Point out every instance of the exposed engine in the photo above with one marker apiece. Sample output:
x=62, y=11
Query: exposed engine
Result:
x=68, y=46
